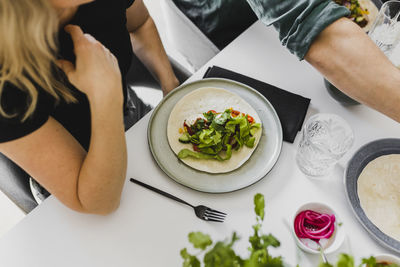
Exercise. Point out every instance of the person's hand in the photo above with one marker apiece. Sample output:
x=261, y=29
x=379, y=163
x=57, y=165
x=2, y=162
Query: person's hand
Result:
x=169, y=84
x=96, y=72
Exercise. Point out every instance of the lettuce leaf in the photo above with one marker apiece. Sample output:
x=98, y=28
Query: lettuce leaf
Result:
x=214, y=140
x=184, y=153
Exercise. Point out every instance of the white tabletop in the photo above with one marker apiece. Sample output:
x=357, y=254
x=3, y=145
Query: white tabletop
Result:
x=150, y=230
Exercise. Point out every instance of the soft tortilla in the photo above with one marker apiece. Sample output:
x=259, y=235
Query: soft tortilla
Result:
x=192, y=106
x=379, y=193
x=373, y=13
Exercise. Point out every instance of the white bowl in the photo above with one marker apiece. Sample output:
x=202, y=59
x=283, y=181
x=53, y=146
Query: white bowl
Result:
x=330, y=245
x=388, y=258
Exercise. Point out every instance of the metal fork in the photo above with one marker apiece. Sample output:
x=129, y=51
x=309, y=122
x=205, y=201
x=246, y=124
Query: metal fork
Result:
x=203, y=212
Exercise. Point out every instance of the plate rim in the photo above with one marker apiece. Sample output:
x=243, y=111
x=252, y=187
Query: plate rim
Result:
x=377, y=3
x=155, y=111
x=362, y=217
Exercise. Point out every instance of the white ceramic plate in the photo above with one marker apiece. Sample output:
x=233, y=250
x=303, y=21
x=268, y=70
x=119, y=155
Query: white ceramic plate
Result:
x=254, y=169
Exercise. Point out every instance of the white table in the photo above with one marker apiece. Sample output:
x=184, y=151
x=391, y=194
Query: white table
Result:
x=150, y=230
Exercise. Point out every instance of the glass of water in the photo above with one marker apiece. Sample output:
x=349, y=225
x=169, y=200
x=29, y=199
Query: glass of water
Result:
x=385, y=31
x=326, y=138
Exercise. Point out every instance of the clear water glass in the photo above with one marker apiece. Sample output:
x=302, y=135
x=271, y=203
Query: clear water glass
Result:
x=326, y=138
x=385, y=31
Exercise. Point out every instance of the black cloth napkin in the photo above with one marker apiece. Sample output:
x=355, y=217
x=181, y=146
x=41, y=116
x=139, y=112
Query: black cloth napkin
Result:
x=291, y=108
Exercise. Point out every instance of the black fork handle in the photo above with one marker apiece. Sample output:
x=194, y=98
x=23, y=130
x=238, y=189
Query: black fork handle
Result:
x=160, y=192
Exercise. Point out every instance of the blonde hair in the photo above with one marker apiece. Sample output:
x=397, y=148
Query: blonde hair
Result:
x=28, y=49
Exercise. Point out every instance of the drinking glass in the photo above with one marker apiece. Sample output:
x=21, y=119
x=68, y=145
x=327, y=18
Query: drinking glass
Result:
x=385, y=31
x=326, y=138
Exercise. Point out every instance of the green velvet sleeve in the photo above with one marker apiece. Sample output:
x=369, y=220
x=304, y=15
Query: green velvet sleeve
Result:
x=298, y=21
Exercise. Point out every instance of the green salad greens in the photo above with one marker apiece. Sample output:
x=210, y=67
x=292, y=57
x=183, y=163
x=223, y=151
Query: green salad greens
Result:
x=217, y=134
x=222, y=253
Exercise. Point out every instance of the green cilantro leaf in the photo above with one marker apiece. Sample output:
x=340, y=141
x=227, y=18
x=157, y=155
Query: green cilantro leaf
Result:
x=200, y=240
x=259, y=205
x=189, y=260
x=222, y=255
x=371, y=261
x=270, y=240
x=325, y=264
x=261, y=258
x=345, y=261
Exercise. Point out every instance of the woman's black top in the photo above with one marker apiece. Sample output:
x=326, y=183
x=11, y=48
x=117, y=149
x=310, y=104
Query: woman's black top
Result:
x=106, y=21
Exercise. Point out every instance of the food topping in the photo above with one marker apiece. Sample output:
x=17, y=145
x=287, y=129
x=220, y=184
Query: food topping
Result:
x=357, y=13
x=235, y=113
x=215, y=135
x=314, y=225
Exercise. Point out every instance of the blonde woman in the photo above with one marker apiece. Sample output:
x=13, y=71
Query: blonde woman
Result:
x=62, y=92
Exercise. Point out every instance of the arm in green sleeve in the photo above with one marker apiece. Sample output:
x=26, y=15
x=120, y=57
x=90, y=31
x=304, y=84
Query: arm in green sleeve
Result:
x=298, y=22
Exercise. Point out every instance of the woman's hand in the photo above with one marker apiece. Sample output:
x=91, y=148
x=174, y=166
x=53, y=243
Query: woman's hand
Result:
x=96, y=72
x=169, y=84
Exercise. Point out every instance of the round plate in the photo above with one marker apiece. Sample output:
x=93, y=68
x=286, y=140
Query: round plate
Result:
x=378, y=3
x=361, y=158
x=259, y=164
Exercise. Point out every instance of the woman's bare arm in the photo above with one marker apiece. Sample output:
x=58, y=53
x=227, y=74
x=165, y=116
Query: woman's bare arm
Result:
x=148, y=46
x=349, y=59
x=87, y=182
